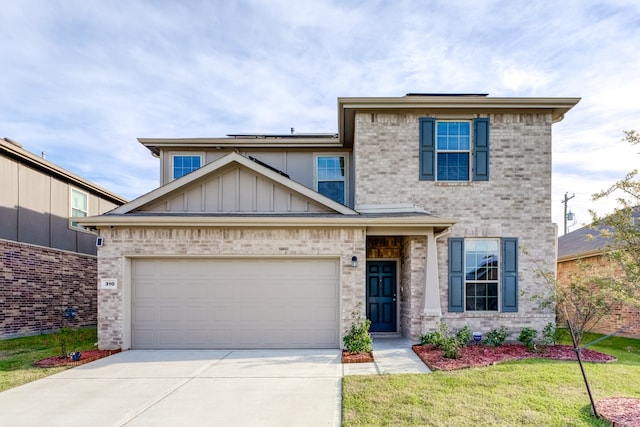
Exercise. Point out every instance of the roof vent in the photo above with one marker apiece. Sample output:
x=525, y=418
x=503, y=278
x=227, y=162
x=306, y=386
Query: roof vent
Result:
x=11, y=141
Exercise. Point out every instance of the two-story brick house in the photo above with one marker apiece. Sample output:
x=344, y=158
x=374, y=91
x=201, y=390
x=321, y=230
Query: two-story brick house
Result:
x=415, y=209
x=47, y=262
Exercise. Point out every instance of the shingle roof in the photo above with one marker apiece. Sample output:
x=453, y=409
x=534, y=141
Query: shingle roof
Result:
x=585, y=240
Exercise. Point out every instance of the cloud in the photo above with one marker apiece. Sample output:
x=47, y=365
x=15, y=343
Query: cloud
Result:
x=82, y=79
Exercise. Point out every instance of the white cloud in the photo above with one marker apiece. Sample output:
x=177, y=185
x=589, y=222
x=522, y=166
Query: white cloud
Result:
x=82, y=79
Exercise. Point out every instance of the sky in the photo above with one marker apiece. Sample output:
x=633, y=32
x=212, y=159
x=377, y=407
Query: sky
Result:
x=81, y=80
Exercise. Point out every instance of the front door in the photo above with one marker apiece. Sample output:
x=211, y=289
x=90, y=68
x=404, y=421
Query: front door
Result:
x=381, y=295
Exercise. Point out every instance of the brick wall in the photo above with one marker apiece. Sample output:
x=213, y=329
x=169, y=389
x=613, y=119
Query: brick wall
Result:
x=38, y=283
x=621, y=315
x=122, y=244
x=515, y=202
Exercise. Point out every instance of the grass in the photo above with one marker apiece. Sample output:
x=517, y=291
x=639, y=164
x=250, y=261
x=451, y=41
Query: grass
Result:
x=532, y=392
x=17, y=356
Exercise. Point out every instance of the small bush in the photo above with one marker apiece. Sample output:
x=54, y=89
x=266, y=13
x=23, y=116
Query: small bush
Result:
x=65, y=339
x=496, y=337
x=528, y=337
x=549, y=334
x=358, y=340
x=443, y=339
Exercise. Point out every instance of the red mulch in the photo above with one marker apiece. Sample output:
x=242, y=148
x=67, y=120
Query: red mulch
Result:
x=474, y=356
x=356, y=357
x=620, y=411
x=86, y=356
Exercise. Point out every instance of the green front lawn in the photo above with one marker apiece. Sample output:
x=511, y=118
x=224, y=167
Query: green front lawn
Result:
x=531, y=392
x=18, y=354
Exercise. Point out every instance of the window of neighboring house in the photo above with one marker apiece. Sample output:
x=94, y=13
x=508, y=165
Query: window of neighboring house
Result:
x=182, y=164
x=79, y=206
x=483, y=274
x=330, y=176
x=454, y=150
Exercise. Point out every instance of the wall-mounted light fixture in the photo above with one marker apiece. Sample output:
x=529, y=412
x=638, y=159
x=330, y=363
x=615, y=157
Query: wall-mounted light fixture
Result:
x=354, y=261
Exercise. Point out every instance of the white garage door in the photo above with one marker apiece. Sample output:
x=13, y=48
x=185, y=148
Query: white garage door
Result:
x=235, y=303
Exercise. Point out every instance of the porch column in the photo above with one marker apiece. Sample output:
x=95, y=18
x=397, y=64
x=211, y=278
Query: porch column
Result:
x=432, y=283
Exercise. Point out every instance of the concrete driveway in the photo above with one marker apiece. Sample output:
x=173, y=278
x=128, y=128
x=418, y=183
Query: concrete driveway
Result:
x=186, y=387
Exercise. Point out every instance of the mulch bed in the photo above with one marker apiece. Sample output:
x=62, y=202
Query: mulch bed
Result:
x=620, y=411
x=356, y=357
x=479, y=355
x=86, y=356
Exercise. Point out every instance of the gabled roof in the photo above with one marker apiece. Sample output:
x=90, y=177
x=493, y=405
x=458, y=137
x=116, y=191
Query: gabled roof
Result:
x=150, y=201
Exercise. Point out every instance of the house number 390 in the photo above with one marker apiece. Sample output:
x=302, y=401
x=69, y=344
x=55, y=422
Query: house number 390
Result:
x=108, y=284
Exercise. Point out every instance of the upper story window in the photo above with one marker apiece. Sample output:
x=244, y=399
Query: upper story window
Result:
x=330, y=176
x=453, y=150
x=450, y=151
x=182, y=164
x=79, y=206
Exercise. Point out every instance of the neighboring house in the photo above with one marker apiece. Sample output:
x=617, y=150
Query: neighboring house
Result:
x=47, y=262
x=414, y=211
x=586, y=245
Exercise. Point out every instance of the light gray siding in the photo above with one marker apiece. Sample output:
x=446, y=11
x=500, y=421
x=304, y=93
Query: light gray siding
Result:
x=295, y=162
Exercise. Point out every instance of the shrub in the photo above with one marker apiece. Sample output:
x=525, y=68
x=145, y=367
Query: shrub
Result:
x=527, y=337
x=443, y=339
x=496, y=337
x=358, y=339
x=65, y=338
x=549, y=334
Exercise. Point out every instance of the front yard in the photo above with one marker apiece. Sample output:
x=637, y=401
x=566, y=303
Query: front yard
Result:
x=531, y=392
x=17, y=356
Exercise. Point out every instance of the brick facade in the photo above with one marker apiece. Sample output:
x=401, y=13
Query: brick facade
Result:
x=123, y=244
x=515, y=202
x=38, y=283
x=621, y=315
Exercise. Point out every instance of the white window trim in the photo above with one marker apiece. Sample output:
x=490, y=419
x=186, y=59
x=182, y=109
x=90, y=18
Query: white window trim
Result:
x=470, y=150
x=71, y=208
x=173, y=154
x=499, y=281
x=346, y=171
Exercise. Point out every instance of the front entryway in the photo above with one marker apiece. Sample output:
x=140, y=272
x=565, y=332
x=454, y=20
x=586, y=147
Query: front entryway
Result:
x=381, y=296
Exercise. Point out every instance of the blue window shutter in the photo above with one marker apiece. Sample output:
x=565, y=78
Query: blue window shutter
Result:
x=456, y=274
x=510, y=274
x=481, y=149
x=427, y=149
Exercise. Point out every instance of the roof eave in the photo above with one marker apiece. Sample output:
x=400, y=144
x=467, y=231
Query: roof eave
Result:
x=347, y=106
x=37, y=162
x=285, y=221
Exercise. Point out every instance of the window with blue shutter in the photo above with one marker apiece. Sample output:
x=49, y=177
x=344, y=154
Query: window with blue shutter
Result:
x=483, y=272
x=427, y=149
x=450, y=151
x=510, y=274
x=456, y=274
x=481, y=149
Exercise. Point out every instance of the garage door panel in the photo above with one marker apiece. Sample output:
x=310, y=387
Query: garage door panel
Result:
x=235, y=303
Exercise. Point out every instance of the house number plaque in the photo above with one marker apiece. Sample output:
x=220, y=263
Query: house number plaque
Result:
x=108, y=284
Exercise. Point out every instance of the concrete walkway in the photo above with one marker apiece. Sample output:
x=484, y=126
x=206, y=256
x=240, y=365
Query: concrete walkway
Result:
x=392, y=356
x=185, y=387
